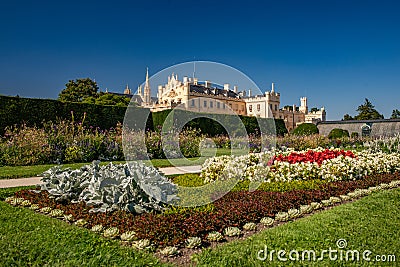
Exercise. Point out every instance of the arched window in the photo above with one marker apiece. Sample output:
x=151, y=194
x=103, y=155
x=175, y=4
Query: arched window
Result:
x=366, y=130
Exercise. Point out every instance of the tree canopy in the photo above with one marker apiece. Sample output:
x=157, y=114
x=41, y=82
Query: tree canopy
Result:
x=395, y=114
x=347, y=117
x=78, y=90
x=86, y=91
x=367, y=111
x=108, y=99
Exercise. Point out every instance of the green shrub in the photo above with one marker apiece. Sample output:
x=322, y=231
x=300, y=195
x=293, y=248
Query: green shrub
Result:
x=303, y=142
x=24, y=146
x=354, y=135
x=338, y=133
x=306, y=129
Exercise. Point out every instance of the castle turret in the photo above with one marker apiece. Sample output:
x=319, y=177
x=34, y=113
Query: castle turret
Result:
x=127, y=91
x=303, y=105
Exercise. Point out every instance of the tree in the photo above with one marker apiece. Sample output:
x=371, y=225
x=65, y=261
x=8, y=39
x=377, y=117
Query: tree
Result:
x=395, y=114
x=314, y=110
x=367, y=111
x=78, y=90
x=347, y=117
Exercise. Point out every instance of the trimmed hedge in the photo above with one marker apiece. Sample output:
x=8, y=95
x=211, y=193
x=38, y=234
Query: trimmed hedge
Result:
x=338, y=133
x=306, y=129
x=32, y=111
x=213, y=124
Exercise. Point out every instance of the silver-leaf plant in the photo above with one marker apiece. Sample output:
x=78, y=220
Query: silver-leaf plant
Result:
x=132, y=187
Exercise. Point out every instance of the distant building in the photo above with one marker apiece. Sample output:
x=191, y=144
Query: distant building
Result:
x=206, y=97
x=193, y=96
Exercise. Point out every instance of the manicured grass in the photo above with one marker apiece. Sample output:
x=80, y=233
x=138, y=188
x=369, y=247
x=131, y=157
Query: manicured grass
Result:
x=371, y=223
x=31, y=239
x=194, y=180
x=11, y=172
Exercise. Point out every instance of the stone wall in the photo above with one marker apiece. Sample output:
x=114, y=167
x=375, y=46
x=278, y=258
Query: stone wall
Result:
x=373, y=127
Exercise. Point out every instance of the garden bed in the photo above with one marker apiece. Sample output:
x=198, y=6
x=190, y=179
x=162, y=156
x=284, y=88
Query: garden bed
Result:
x=235, y=209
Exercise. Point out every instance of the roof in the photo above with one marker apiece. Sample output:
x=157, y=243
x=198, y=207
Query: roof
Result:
x=359, y=121
x=200, y=89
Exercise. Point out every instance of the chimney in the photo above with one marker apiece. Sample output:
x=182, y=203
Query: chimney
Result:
x=226, y=86
x=249, y=92
x=235, y=89
x=272, y=88
x=207, y=84
x=195, y=80
x=185, y=79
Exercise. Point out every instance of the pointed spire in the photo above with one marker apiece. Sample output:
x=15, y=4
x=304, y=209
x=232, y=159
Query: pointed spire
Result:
x=147, y=93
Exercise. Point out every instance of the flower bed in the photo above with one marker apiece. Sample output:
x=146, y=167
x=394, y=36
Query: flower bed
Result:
x=331, y=165
x=312, y=156
x=235, y=209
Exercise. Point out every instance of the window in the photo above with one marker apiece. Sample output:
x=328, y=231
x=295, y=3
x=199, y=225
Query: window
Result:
x=276, y=107
x=258, y=107
x=251, y=108
x=205, y=103
x=218, y=105
x=270, y=106
x=211, y=104
x=193, y=103
x=223, y=106
x=366, y=130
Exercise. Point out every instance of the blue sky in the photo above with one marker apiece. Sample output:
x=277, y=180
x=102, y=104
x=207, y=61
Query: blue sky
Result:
x=334, y=52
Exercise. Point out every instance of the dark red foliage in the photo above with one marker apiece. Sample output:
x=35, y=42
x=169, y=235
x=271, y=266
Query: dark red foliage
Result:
x=233, y=209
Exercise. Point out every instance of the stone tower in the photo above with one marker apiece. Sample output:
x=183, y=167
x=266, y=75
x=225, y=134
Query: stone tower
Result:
x=127, y=91
x=303, y=105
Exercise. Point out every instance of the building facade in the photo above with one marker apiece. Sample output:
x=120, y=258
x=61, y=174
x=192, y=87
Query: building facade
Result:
x=191, y=95
x=205, y=97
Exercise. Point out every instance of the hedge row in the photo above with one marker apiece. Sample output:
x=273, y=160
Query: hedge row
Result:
x=31, y=111
x=216, y=124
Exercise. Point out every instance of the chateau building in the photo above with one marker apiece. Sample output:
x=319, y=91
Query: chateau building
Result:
x=206, y=97
x=193, y=96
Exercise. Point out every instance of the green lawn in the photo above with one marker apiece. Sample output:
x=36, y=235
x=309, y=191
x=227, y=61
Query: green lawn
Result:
x=31, y=239
x=10, y=172
x=372, y=223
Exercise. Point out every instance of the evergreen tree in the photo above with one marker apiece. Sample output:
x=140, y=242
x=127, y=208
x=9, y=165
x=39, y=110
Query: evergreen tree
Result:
x=367, y=111
x=347, y=117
